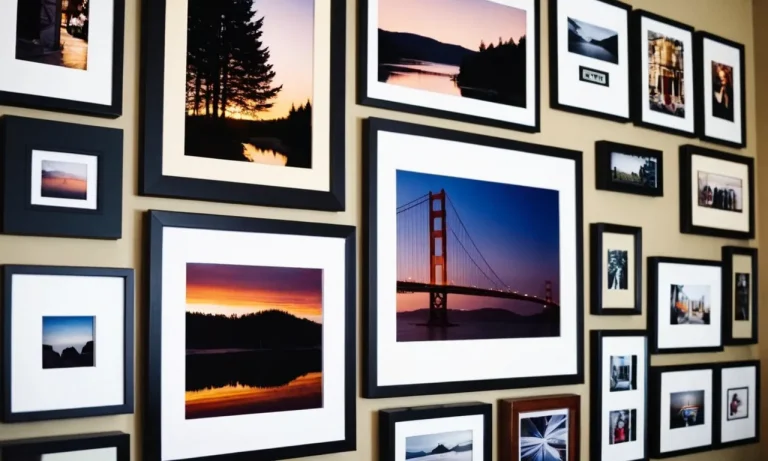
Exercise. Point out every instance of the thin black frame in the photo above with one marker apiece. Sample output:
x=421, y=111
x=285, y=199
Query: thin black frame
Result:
x=362, y=81
x=603, y=180
x=718, y=386
x=636, y=73
x=654, y=410
x=653, y=309
x=554, y=73
x=152, y=181
x=686, y=205
x=27, y=449
x=728, y=252
x=596, y=388
x=389, y=418
x=698, y=62
x=19, y=136
x=596, y=231
x=126, y=407
x=155, y=222
x=370, y=388
x=72, y=106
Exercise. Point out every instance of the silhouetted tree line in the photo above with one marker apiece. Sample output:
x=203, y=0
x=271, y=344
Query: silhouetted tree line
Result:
x=272, y=329
x=496, y=73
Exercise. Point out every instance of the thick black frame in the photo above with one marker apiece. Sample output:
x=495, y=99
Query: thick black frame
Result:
x=152, y=181
x=653, y=308
x=28, y=449
x=728, y=252
x=73, y=106
x=362, y=81
x=698, y=62
x=596, y=388
x=554, y=68
x=389, y=418
x=370, y=387
x=636, y=80
x=603, y=180
x=654, y=410
x=686, y=206
x=126, y=407
x=155, y=223
x=596, y=231
x=19, y=136
x=718, y=377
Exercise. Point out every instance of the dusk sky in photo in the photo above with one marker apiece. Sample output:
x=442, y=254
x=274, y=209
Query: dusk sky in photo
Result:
x=71, y=331
x=72, y=169
x=428, y=442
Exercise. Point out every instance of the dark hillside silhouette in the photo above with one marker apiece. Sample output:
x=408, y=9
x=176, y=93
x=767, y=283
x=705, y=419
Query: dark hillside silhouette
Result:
x=272, y=329
x=497, y=73
x=69, y=357
x=394, y=46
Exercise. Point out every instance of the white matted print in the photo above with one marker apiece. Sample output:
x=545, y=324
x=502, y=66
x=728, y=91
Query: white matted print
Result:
x=721, y=70
x=96, y=454
x=64, y=180
x=458, y=438
x=720, y=197
x=685, y=399
x=738, y=403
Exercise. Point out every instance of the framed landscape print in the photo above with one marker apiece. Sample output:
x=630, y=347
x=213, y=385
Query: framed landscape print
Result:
x=629, y=169
x=68, y=342
x=452, y=218
x=685, y=310
x=720, y=90
x=472, y=61
x=662, y=74
x=105, y=446
x=539, y=428
x=251, y=331
x=459, y=432
x=616, y=263
x=61, y=179
x=737, y=386
x=740, y=295
x=717, y=193
x=243, y=102
x=63, y=55
x=589, y=57
x=619, y=388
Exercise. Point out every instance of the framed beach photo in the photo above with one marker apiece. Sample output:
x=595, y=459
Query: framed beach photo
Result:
x=446, y=239
x=472, y=61
x=737, y=386
x=258, y=122
x=589, y=57
x=740, y=295
x=629, y=169
x=251, y=330
x=104, y=446
x=616, y=267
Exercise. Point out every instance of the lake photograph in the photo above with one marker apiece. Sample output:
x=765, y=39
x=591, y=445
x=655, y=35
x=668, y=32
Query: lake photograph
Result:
x=67, y=180
x=593, y=41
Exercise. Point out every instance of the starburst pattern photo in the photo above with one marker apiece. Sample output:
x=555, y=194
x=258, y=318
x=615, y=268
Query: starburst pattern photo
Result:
x=544, y=438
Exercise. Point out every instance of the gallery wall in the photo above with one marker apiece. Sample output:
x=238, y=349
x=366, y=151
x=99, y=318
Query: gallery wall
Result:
x=658, y=217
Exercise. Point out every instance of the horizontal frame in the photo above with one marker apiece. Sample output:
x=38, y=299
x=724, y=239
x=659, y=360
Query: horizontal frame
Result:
x=728, y=253
x=603, y=151
x=718, y=376
x=596, y=232
x=28, y=449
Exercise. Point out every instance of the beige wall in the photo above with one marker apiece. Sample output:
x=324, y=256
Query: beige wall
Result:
x=658, y=217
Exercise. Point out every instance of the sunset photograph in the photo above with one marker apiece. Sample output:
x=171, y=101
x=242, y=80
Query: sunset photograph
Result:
x=67, y=180
x=68, y=341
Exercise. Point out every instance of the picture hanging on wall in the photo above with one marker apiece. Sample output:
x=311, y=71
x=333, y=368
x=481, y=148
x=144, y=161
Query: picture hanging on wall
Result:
x=737, y=387
x=629, y=169
x=105, y=446
x=717, y=193
x=474, y=250
x=589, y=57
x=616, y=263
x=471, y=61
x=243, y=102
x=251, y=331
x=63, y=55
x=740, y=295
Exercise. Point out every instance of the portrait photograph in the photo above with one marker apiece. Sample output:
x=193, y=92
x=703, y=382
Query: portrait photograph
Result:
x=689, y=305
x=740, y=295
x=686, y=409
x=629, y=169
x=737, y=404
x=616, y=269
x=540, y=428
x=738, y=386
x=68, y=341
x=454, y=446
x=622, y=426
x=722, y=94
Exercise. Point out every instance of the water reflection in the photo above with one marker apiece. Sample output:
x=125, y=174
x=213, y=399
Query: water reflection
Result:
x=263, y=156
x=422, y=75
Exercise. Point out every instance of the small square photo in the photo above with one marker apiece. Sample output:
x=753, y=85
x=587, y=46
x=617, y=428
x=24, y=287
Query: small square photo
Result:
x=623, y=373
x=737, y=406
x=689, y=305
x=622, y=426
x=68, y=341
x=686, y=409
x=448, y=446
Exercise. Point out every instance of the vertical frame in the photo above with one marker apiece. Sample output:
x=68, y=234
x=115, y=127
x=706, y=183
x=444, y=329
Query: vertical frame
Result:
x=729, y=253
x=597, y=269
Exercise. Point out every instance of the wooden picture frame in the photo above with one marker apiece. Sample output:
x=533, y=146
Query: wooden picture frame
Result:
x=733, y=259
x=610, y=156
x=599, y=286
x=38, y=447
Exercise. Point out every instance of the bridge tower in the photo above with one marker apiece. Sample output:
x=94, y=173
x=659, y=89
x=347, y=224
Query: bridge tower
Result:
x=548, y=291
x=438, y=262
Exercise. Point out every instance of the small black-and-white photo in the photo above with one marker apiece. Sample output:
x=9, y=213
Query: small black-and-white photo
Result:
x=617, y=269
x=742, y=296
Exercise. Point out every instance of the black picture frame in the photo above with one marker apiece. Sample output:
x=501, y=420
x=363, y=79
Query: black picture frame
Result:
x=35, y=448
x=686, y=204
x=728, y=253
x=152, y=181
x=365, y=100
x=596, y=231
x=73, y=106
x=717, y=415
x=19, y=136
x=155, y=222
x=389, y=418
x=126, y=407
x=604, y=176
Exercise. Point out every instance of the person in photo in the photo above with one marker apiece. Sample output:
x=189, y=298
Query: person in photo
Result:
x=742, y=297
x=722, y=91
x=617, y=269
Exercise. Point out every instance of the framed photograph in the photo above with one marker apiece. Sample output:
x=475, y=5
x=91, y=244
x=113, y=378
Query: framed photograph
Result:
x=68, y=342
x=256, y=118
x=717, y=193
x=681, y=415
x=484, y=71
x=616, y=263
x=720, y=90
x=589, y=57
x=662, y=74
x=740, y=295
x=65, y=183
x=737, y=385
x=539, y=428
x=450, y=292
x=460, y=432
x=105, y=446
x=685, y=309
x=619, y=388
x=63, y=55
x=251, y=330
x=629, y=169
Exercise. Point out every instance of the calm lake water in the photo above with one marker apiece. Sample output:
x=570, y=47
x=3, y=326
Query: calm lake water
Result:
x=422, y=75
x=410, y=331
x=263, y=156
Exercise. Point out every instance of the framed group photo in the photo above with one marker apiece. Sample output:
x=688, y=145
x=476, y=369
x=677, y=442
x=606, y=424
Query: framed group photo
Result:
x=616, y=263
x=740, y=295
x=737, y=386
x=629, y=169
